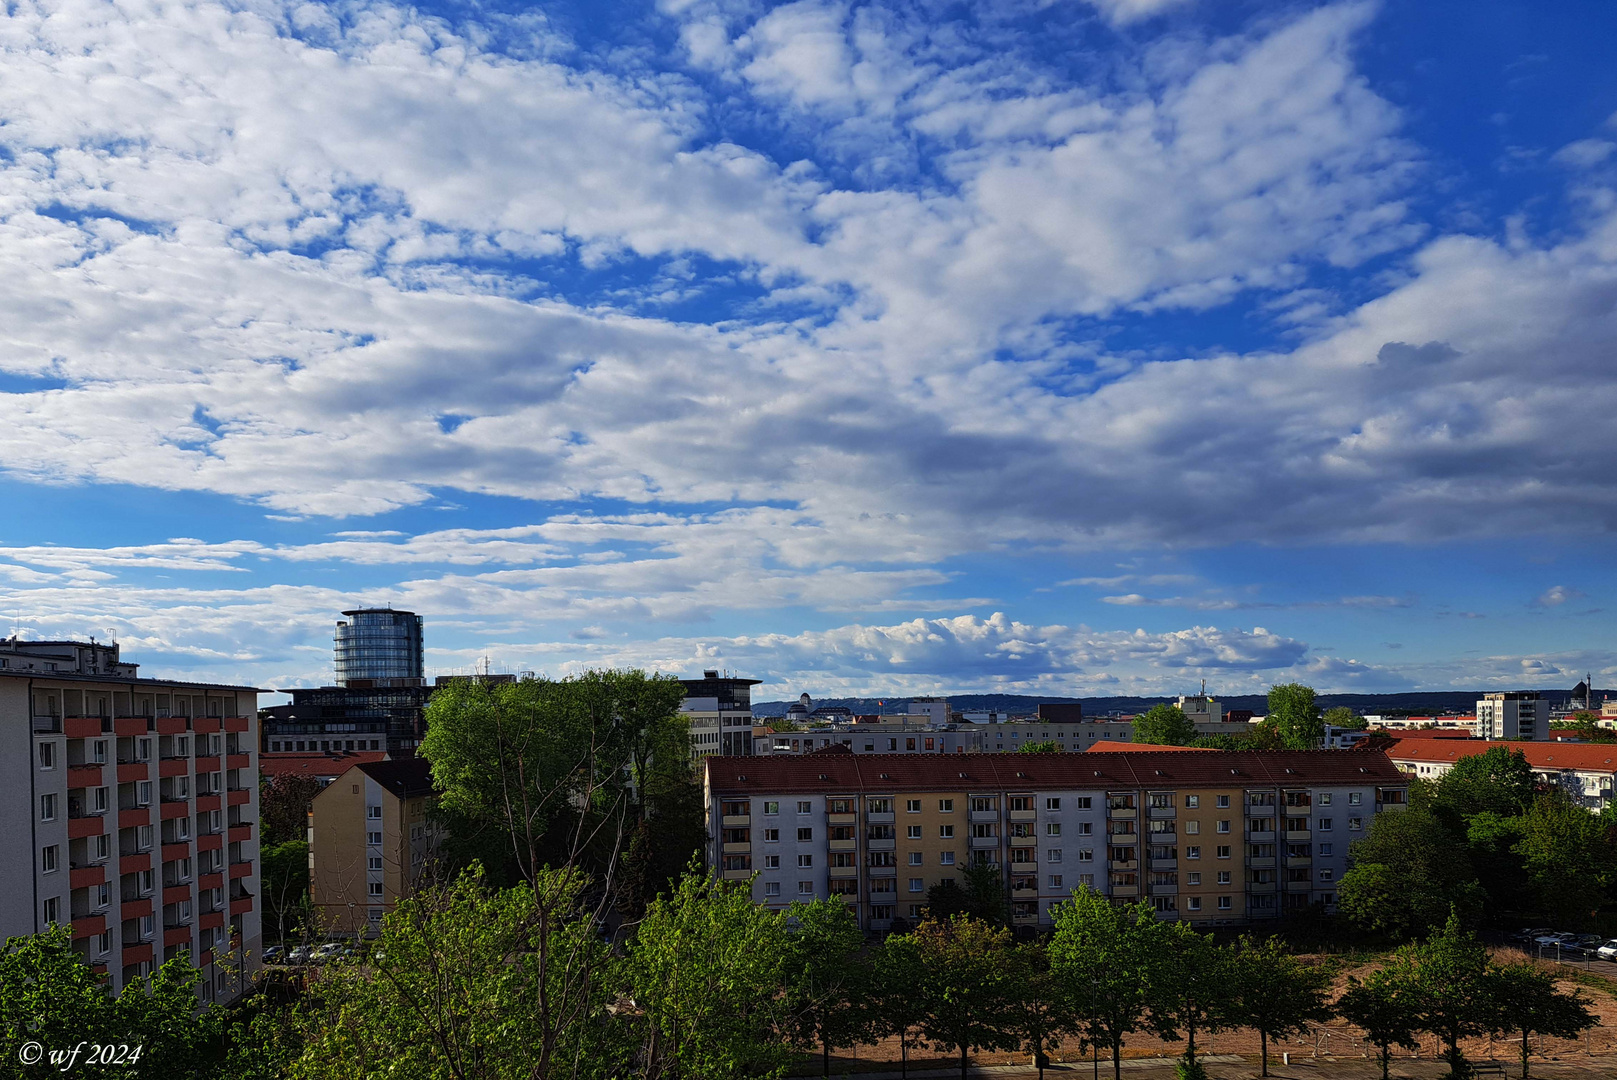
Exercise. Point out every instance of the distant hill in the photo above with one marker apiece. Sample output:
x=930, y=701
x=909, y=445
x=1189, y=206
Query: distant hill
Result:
x=1416, y=703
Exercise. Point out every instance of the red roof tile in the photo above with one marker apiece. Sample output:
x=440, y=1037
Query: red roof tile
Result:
x=325, y=766
x=1595, y=757
x=1107, y=746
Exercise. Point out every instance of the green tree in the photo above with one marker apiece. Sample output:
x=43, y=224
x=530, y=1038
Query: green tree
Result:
x=1274, y=993
x=896, y=1008
x=1569, y=861
x=707, y=968
x=1042, y=1015
x=1102, y=955
x=1386, y=1007
x=1343, y=717
x=1453, y=989
x=1296, y=714
x=968, y=989
x=1499, y=780
x=1491, y=842
x=827, y=982
x=982, y=897
x=1164, y=725
x=283, y=807
x=1039, y=748
x=1189, y=980
x=285, y=888
x=468, y=984
x=1406, y=873
x=49, y=995
x=1528, y=1004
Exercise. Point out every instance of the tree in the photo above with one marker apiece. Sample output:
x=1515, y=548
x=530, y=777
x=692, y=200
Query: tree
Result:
x=1296, y=714
x=827, y=983
x=1039, y=748
x=1164, y=725
x=285, y=886
x=1189, y=983
x=1499, y=780
x=1528, y=1004
x=1102, y=954
x=706, y=967
x=468, y=984
x=1405, y=874
x=1453, y=988
x=283, y=807
x=1274, y=993
x=1569, y=861
x=983, y=896
x=968, y=989
x=896, y=971
x=1042, y=1015
x=1343, y=717
x=1385, y=1007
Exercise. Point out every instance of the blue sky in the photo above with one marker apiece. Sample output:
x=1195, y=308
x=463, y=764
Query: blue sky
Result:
x=1066, y=347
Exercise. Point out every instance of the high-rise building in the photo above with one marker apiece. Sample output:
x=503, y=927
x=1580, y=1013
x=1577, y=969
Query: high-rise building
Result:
x=379, y=646
x=1515, y=714
x=132, y=813
x=719, y=710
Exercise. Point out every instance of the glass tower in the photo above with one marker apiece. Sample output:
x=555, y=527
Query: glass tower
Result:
x=376, y=644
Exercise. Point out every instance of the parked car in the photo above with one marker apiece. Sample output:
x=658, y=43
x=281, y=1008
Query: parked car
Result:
x=274, y=954
x=1527, y=936
x=1608, y=951
x=331, y=950
x=1586, y=944
x=1557, y=940
x=300, y=955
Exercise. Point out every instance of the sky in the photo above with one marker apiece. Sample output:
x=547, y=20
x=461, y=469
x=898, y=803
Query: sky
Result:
x=1060, y=347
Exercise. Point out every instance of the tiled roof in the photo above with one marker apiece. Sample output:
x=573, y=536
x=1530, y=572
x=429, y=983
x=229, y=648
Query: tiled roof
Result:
x=1594, y=757
x=405, y=779
x=333, y=764
x=1107, y=746
x=1009, y=772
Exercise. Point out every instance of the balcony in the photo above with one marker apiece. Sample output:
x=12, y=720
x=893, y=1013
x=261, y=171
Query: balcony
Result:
x=881, y=871
x=841, y=819
x=240, y=870
x=174, y=766
x=174, y=894
x=888, y=844
x=1296, y=835
x=131, y=771
x=842, y=871
x=1164, y=890
x=84, y=877
x=84, y=776
x=238, y=797
x=238, y=833
x=132, y=862
x=176, y=850
x=206, y=802
x=88, y=926
x=170, y=725
x=174, y=809
x=208, y=763
x=176, y=935
x=1261, y=836
x=982, y=816
x=47, y=725
x=879, y=819
x=205, y=725
x=212, y=880
x=86, y=727
x=210, y=842
x=1122, y=813
x=1026, y=918
x=137, y=954
x=1262, y=888
x=735, y=821
x=129, y=726
x=1024, y=841
x=86, y=825
x=1164, y=864
x=1023, y=815
x=1299, y=861
x=728, y=875
x=1298, y=886
x=135, y=907
x=984, y=842
x=841, y=845
x=235, y=724
x=743, y=848
x=1264, y=863
x=1129, y=891
x=241, y=905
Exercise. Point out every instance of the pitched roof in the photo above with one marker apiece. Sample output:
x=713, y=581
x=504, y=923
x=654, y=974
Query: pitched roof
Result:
x=323, y=765
x=1107, y=746
x=406, y=779
x=1593, y=757
x=1008, y=772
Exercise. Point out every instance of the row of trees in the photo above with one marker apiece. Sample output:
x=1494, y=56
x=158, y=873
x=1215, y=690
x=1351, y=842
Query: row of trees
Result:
x=1294, y=722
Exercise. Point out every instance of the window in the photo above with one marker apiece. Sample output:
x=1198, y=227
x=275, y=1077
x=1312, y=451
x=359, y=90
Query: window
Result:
x=373, y=838
x=1052, y=804
x=1194, y=851
x=1355, y=823
x=1193, y=903
x=805, y=862
x=983, y=803
x=1327, y=874
x=878, y=806
x=143, y=749
x=53, y=909
x=914, y=832
x=805, y=835
x=804, y=806
x=892, y=744
x=374, y=888
x=1223, y=851
x=1085, y=828
x=771, y=836
x=373, y=862
x=946, y=858
x=1353, y=798
x=805, y=888
x=1160, y=800
x=1193, y=879
x=99, y=801
x=47, y=755
x=915, y=858
x=1223, y=877
x=1085, y=802
x=771, y=808
x=103, y=943
x=1052, y=828
x=1192, y=801
x=143, y=793
x=103, y=847
x=1324, y=824
x=49, y=859
x=373, y=813
x=945, y=832
x=1193, y=827
x=1223, y=801
x=771, y=888
x=945, y=806
x=912, y=806
x=917, y=884
x=47, y=807
x=1223, y=903
x=771, y=862
x=1324, y=798
x=1224, y=825
x=1327, y=849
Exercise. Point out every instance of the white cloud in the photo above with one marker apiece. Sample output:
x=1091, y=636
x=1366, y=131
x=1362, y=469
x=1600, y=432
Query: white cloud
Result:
x=1123, y=12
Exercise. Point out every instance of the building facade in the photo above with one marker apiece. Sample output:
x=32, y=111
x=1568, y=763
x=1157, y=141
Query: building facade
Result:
x=1214, y=837
x=379, y=645
x=372, y=841
x=133, y=806
x=719, y=710
x=1585, y=771
x=1515, y=714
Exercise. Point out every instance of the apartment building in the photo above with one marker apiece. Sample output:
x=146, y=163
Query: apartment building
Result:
x=1516, y=714
x=1587, y=772
x=1214, y=837
x=889, y=736
x=719, y=710
x=371, y=843
x=133, y=806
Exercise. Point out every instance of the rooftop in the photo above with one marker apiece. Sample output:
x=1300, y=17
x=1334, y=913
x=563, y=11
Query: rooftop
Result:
x=1598, y=757
x=406, y=779
x=332, y=764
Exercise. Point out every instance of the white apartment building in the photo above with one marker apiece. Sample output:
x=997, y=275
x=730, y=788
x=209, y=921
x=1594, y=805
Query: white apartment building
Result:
x=1585, y=771
x=133, y=813
x=1516, y=714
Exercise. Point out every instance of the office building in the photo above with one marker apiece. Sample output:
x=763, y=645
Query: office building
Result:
x=372, y=842
x=1516, y=714
x=1211, y=836
x=719, y=710
x=379, y=646
x=132, y=806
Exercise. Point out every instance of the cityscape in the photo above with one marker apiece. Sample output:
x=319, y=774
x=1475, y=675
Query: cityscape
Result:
x=759, y=539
